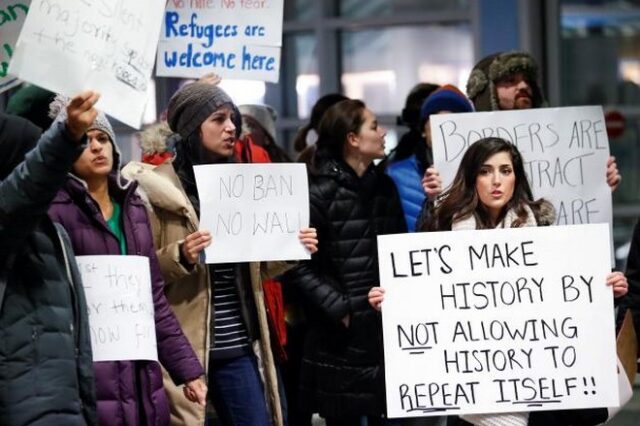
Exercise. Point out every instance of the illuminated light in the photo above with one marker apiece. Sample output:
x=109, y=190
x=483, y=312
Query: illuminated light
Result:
x=245, y=91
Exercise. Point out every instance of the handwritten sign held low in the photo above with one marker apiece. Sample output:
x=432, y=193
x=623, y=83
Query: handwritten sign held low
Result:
x=238, y=39
x=565, y=151
x=120, y=305
x=68, y=46
x=253, y=211
x=498, y=321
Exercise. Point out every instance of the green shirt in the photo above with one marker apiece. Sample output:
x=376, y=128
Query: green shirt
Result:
x=115, y=224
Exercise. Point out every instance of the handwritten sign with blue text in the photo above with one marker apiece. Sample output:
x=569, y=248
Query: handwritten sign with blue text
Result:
x=497, y=321
x=12, y=16
x=120, y=306
x=238, y=39
x=253, y=211
x=67, y=46
x=565, y=151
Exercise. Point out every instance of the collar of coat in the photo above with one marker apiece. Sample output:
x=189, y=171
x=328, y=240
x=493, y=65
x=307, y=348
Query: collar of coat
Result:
x=160, y=186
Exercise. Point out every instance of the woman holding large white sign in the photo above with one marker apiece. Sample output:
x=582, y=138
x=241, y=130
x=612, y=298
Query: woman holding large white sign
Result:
x=490, y=191
x=103, y=215
x=352, y=202
x=221, y=306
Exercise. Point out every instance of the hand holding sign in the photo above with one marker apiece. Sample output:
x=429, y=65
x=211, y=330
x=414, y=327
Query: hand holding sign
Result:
x=194, y=244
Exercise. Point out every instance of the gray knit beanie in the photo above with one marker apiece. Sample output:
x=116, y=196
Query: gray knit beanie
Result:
x=58, y=112
x=263, y=114
x=192, y=104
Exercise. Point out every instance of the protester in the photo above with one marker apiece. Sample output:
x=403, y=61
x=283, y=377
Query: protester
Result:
x=410, y=117
x=632, y=300
x=415, y=177
x=509, y=80
x=259, y=125
x=352, y=202
x=490, y=190
x=234, y=342
x=46, y=376
x=103, y=216
x=306, y=138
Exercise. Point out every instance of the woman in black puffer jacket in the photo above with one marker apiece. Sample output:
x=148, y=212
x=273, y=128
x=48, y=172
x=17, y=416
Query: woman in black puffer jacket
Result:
x=352, y=202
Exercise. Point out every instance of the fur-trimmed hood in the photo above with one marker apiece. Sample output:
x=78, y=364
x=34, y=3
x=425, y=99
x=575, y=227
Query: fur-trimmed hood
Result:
x=545, y=214
x=481, y=84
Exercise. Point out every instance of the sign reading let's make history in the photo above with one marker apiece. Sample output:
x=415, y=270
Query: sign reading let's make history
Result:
x=498, y=321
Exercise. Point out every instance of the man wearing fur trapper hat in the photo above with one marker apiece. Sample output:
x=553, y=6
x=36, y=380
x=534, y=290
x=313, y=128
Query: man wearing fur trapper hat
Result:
x=509, y=80
x=504, y=81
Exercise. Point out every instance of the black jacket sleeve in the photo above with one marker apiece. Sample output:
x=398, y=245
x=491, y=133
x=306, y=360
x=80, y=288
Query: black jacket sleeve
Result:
x=311, y=280
x=631, y=300
x=26, y=192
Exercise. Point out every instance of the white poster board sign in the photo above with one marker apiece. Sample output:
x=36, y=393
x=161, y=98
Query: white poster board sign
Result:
x=253, y=211
x=565, y=151
x=12, y=16
x=238, y=39
x=109, y=46
x=498, y=321
x=120, y=305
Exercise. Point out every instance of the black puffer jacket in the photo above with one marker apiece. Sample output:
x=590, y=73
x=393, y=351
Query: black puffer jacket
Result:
x=342, y=367
x=46, y=374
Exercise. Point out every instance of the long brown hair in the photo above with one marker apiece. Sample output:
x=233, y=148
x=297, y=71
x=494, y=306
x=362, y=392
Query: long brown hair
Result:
x=460, y=200
x=341, y=119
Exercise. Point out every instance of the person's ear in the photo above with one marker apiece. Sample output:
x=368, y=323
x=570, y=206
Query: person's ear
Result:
x=353, y=140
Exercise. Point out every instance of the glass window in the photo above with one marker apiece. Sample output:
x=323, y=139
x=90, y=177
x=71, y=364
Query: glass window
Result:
x=381, y=66
x=600, y=65
x=300, y=10
x=600, y=54
x=361, y=9
x=302, y=81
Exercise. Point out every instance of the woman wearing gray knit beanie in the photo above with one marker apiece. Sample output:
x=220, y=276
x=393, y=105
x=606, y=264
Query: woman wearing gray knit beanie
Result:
x=220, y=306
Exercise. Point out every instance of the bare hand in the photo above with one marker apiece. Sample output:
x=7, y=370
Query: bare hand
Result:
x=618, y=281
x=309, y=237
x=376, y=297
x=210, y=78
x=81, y=113
x=432, y=182
x=196, y=391
x=193, y=244
x=613, y=175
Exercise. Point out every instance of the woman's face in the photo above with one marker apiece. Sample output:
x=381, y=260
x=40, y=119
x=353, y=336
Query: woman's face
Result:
x=370, y=137
x=217, y=133
x=96, y=160
x=495, y=183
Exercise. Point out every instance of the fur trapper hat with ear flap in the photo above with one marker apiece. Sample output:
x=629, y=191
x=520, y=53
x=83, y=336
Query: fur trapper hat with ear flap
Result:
x=481, y=87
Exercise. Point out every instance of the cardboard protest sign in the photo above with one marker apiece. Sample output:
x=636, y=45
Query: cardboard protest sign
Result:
x=120, y=305
x=565, y=151
x=12, y=16
x=238, y=39
x=253, y=211
x=498, y=321
x=74, y=45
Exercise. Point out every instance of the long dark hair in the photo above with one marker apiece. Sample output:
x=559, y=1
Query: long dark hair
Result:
x=317, y=112
x=460, y=200
x=341, y=119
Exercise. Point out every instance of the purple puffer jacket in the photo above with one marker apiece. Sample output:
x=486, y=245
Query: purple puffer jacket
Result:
x=117, y=382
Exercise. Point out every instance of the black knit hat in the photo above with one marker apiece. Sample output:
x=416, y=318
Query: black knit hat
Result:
x=192, y=104
x=481, y=84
